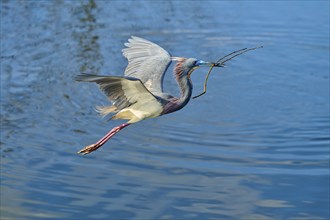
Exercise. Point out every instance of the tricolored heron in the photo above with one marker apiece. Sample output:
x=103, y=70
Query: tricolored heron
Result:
x=138, y=94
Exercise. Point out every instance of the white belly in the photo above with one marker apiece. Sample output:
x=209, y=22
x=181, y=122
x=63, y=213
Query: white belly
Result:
x=140, y=111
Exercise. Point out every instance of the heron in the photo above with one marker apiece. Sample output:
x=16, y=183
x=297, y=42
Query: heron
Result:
x=139, y=94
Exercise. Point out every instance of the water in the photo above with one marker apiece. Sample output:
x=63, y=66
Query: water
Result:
x=256, y=146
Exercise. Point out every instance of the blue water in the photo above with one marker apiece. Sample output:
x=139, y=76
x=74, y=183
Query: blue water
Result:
x=256, y=146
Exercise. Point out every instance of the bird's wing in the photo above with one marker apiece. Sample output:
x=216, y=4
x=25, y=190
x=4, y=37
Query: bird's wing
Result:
x=146, y=61
x=121, y=91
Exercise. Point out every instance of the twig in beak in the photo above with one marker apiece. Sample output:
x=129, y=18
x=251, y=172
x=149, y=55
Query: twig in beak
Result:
x=221, y=63
x=205, y=82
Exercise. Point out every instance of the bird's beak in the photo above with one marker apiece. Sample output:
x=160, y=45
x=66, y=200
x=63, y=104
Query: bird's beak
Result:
x=201, y=63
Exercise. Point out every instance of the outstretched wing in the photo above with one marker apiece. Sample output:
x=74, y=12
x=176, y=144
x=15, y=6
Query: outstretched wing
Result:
x=146, y=61
x=121, y=91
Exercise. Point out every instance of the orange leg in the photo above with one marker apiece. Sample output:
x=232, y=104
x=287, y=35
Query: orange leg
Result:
x=90, y=148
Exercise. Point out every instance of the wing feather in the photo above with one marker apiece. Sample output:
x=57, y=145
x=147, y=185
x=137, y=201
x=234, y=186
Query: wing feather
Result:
x=121, y=91
x=146, y=61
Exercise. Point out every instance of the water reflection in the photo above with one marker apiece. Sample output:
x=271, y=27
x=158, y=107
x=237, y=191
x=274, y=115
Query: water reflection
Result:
x=88, y=54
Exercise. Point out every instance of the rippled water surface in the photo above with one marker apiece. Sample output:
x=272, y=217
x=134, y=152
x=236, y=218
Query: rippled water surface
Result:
x=256, y=146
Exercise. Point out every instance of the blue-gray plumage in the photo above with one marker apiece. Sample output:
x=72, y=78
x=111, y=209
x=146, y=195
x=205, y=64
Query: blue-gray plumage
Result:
x=139, y=93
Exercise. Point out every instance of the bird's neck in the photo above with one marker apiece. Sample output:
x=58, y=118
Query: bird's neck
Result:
x=185, y=86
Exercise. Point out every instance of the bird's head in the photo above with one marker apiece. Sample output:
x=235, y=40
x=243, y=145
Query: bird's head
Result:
x=185, y=66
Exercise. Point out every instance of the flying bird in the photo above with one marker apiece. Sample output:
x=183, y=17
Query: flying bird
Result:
x=139, y=94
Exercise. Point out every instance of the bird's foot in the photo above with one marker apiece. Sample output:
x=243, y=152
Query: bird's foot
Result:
x=88, y=149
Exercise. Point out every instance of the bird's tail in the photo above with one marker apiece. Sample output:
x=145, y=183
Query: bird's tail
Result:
x=105, y=110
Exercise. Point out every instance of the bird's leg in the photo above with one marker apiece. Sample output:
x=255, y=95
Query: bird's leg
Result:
x=90, y=148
